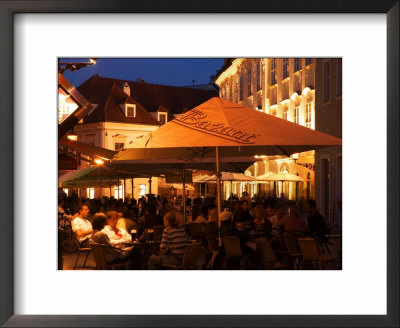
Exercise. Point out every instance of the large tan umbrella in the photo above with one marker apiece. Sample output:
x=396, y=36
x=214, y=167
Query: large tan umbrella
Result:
x=218, y=129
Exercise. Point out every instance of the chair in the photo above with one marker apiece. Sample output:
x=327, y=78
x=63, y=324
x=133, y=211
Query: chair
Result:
x=232, y=250
x=98, y=254
x=310, y=254
x=189, y=260
x=292, y=246
x=265, y=253
x=211, y=234
x=80, y=251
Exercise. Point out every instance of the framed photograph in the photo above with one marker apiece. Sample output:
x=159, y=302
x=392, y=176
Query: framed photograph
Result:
x=34, y=34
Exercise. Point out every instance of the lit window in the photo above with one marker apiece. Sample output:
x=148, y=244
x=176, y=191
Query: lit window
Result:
x=285, y=113
x=285, y=68
x=142, y=190
x=308, y=116
x=241, y=87
x=162, y=118
x=327, y=80
x=119, y=146
x=118, y=192
x=249, y=82
x=273, y=71
x=297, y=64
x=130, y=111
x=90, y=193
x=296, y=114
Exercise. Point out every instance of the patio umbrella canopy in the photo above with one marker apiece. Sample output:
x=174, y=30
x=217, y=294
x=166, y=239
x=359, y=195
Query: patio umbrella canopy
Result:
x=229, y=176
x=239, y=131
x=280, y=177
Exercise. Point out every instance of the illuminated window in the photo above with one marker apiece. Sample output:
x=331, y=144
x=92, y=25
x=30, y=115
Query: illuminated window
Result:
x=119, y=146
x=90, y=193
x=118, y=192
x=130, y=111
x=285, y=68
x=249, y=82
x=339, y=77
x=241, y=87
x=162, y=118
x=285, y=113
x=273, y=71
x=296, y=114
x=297, y=64
x=308, y=116
x=142, y=190
x=259, y=76
x=308, y=61
x=327, y=79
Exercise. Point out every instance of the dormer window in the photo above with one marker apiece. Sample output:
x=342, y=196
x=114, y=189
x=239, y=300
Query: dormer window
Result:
x=126, y=88
x=130, y=110
x=162, y=117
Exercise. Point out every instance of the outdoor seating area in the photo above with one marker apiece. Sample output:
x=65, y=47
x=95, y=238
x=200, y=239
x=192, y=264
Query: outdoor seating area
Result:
x=244, y=241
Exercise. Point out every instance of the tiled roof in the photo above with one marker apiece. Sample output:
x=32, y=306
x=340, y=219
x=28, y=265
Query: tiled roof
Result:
x=151, y=96
x=109, y=97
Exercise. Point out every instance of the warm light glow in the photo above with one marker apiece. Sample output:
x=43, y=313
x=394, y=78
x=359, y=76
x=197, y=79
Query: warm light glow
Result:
x=294, y=96
x=72, y=137
x=295, y=156
x=98, y=161
x=92, y=60
x=66, y=105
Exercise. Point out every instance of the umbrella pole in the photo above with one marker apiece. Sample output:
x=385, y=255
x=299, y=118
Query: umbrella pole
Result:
x=218, y=175
x=124, y=188
x=184, y=195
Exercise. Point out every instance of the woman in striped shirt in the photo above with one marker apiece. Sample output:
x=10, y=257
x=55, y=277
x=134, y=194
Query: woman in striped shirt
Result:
x=173, y=243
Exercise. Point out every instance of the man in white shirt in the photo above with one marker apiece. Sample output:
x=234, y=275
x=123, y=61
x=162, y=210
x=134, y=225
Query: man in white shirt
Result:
x=116, y=236
x=82, y=226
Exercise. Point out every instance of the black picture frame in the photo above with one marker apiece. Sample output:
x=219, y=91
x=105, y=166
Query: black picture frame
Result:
x=7, y=10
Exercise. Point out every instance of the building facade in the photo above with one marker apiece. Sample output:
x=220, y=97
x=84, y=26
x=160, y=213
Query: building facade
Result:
x=291, y=89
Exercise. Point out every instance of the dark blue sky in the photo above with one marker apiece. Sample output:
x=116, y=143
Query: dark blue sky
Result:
x=167, y=71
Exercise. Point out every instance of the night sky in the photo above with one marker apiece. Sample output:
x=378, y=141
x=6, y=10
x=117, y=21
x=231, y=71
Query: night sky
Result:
x=167, y=71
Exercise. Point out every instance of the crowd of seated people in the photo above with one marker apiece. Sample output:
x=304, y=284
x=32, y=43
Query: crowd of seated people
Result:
x=269, y=217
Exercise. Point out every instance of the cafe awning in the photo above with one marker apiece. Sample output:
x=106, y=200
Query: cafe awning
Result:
x=86, y=149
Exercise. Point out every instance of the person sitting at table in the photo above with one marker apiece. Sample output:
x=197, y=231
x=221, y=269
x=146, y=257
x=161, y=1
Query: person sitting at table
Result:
x=174, y=241
x=261, y=222
x=82, y=226
x=242, y=214
x=293, y=222
x=112, y=255
x=125, y=223
x=151, y=218
x=116, y=235
x=316, y=223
